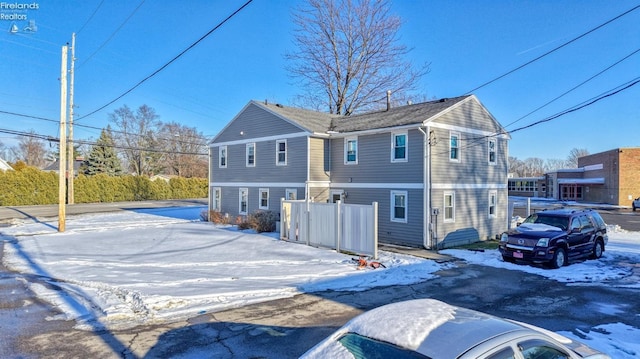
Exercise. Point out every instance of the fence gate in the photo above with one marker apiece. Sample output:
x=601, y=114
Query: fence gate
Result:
x=343, y=227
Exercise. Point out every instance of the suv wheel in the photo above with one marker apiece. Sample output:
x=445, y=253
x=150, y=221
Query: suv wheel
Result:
x=598, y=248
x=559, y=258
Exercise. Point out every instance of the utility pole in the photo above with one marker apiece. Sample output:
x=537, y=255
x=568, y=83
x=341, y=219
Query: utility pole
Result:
x=63, y=141
x=71, y=158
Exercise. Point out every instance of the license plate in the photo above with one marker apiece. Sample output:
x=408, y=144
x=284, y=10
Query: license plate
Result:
x=517, y=255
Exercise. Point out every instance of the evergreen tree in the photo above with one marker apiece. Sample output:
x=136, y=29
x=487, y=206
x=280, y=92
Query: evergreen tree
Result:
x=102, y=157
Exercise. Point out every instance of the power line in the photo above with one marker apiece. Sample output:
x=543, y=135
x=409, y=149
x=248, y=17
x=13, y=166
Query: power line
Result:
x=551, y=51
x=170, y=61
x=90, y=17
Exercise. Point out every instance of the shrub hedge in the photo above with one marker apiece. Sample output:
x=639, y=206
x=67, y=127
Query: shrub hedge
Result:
x=31, y=186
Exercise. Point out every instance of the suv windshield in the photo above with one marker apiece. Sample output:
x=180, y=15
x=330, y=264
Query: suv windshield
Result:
x=558, y=222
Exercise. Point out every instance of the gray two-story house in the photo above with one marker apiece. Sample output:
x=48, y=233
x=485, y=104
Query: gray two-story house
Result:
x=438, y=169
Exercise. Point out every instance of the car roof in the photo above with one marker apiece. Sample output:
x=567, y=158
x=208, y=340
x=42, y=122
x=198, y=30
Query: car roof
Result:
x=564, y=211
x=431, y=327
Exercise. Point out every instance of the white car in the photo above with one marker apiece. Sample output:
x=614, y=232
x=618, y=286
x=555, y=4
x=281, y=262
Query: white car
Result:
x=428, y=328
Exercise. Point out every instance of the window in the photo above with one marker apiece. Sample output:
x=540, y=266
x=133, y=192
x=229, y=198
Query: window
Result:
x=454, y=146
x=399, y=147
x=449, y=207
x=281, y=153
x=291, y=194
x=222, y=157
x=493, y=199
x=216, y=194
x=492, y=151
x=506, y=353
x=251, y=154
x=399, y=206
x=536, y=348
x=264, y=198
x=243, y=201
x=350, y=150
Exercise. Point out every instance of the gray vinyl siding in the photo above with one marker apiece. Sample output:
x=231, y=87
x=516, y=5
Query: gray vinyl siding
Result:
x=374, y=160
x=255, y=122
x=409, y=233
x=265, y=169
x=472, y=221
x=230, y=199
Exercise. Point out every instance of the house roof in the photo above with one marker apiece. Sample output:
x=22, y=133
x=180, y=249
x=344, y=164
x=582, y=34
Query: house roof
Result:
x=4, y=165
x=395, y=116
x=312, y=121
x=320, y=122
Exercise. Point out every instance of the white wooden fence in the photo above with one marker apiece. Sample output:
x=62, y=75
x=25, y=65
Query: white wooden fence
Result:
x=344, y=227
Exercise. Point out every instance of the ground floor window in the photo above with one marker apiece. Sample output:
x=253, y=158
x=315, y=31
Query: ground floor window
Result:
x=291, y=194
x=264, y=198
x=399, y=206
x=243, y=201
x=449, y=206
x=571, y=192
x=493, y=199
x=216, y=196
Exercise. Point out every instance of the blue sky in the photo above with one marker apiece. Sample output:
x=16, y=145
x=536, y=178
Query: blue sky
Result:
x=467, y=43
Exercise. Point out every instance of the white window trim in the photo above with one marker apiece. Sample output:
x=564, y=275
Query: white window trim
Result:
x=240, y=191
x=444, y=207
x=217, y=202
x=286, y=149
x=495, y=151
x=393, y=205
x=339, y=192
x=260, y=192
x=249, y=145
x=226, y=156
x=346, y=150
x=393, y=146
x=289, y=191
x=457, y=135
x=493, y=194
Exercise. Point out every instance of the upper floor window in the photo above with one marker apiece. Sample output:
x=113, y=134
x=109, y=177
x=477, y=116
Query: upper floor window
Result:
x=399, y=206
x=350, y=150
x=449, y=206
x=399, y=147
x=454, y=146
x=281, y=152
x=222, y=157
x=492, y=151
x=251, y=154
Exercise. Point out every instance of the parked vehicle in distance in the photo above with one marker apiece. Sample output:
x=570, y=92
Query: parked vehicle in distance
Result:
x=428, y=328
x=554, y=237
x=635, y=204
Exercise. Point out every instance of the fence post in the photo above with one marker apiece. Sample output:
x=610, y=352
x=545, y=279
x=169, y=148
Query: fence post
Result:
x=528, y=206
x=283, y=218
x=375, y=230
x=338, y=213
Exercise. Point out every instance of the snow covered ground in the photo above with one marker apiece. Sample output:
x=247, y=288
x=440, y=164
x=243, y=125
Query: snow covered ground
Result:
x=122, y=269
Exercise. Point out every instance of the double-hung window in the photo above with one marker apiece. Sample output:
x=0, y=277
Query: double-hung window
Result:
x=399, y=147
x=351, y=150
x=243, y=201
x=281, y=153
x=251, y=154
x=493, y=203
x=222, y=157
x=454, y=146
x=492, y=151
x=264, y=198
x=449, y=206
x=399, y=206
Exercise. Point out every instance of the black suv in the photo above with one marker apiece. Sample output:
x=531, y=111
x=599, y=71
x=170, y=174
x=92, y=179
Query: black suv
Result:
x=555, y=236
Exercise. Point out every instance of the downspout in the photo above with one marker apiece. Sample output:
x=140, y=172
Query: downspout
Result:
x=426, y=190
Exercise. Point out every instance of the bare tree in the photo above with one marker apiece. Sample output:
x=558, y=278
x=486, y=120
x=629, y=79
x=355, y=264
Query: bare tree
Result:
x=137, y=138
x=184, y=150
x=348, y=55
x=31, y=149
x=554, y=164
x=574, y=154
